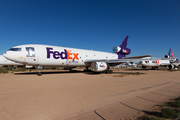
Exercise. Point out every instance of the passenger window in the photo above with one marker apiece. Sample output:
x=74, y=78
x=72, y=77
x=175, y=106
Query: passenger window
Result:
x=30, y=52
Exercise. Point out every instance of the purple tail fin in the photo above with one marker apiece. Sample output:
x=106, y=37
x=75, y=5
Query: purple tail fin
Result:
x=122, y=51
x=124, y=43
x=169, y=53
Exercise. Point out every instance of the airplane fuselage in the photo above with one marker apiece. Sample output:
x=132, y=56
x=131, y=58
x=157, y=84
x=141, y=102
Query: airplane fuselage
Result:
x=155, y=63
x=45, y=55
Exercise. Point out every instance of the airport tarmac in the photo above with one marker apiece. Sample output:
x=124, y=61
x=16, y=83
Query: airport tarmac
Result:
x=60, y=95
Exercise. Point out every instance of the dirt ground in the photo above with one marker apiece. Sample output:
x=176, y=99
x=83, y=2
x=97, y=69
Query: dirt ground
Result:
x=60, y=95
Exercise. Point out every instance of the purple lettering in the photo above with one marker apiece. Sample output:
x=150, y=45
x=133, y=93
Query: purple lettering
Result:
x=56, y=55
x=64, y=54
x=49, y=52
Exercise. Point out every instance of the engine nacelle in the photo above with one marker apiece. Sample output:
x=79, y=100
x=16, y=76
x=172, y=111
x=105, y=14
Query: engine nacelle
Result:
x=170, y=67
x=166, y=56
x=98, y=66
x=116, y=49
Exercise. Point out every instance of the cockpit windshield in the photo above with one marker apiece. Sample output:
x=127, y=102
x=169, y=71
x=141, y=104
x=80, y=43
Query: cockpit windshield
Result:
x=15, y=49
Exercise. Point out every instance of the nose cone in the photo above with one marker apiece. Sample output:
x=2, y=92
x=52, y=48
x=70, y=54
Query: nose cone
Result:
x=8, y=55
x=5, y=55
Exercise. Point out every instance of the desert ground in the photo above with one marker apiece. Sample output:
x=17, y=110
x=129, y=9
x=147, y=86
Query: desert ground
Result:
x=60, y=95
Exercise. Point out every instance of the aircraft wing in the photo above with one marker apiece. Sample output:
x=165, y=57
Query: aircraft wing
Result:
x=120, y=61
x=136, y=57
x=125, y=59
x=136, y=60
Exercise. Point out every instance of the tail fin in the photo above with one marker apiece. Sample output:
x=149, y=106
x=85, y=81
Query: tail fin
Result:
x=169, y=53
x=122, y=51
x=172, y=54
x=124, y=43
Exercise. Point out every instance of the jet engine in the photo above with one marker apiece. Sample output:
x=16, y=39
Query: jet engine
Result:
x=116, y=49
x=98, y=66
x=166, y=56
x=170, y=67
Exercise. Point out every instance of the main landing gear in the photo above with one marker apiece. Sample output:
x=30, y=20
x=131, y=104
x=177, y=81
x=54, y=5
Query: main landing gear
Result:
x=39, y=73
x=87, y=70
x=108, y=71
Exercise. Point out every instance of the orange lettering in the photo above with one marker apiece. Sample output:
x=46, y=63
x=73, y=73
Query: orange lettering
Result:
x=76, y=56
x=157, y=61
x=68, y=54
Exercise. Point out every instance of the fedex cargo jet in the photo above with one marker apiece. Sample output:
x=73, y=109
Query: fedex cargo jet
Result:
x=46, y=55
x=159, y=63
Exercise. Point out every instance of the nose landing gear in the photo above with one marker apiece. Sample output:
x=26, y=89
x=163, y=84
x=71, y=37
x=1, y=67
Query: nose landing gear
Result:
x=39, y=73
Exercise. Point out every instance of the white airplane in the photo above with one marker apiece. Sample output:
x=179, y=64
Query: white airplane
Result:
x=46, y=55
x=154, y=63
x=175, y=63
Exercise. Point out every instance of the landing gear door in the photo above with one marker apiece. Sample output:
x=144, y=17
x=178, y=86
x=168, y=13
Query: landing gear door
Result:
x=30, y=52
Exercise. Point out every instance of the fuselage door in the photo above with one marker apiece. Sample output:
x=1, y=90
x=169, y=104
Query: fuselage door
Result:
x=30, y=51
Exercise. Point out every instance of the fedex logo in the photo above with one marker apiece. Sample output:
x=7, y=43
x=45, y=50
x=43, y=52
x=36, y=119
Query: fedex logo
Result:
x=125, y=51
x=102, y=66
x=66, y=54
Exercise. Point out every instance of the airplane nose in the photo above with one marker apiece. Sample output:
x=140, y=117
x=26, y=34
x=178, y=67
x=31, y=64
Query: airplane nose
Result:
x=5, y=54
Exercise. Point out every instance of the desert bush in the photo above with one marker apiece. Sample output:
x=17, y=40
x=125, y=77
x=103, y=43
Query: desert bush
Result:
x=176, y=103
x=169, y=113
x=4, y=71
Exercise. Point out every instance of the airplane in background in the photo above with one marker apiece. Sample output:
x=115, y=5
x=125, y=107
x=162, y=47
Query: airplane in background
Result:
x=46, y=55
x=175, y=63
x=159, y=63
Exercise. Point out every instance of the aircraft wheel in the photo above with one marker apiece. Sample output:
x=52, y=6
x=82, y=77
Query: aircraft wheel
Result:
x=110, y=71
x=39, y=73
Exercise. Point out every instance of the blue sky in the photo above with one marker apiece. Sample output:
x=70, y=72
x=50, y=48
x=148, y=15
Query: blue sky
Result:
x=153, y=26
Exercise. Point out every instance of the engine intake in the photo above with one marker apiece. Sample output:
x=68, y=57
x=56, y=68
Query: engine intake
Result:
x=116, y=49
x=166, y=56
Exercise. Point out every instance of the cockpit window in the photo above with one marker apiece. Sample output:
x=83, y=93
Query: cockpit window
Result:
x=15, y=49
x=30, y=52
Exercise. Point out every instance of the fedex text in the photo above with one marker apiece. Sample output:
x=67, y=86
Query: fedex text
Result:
x=66, y=54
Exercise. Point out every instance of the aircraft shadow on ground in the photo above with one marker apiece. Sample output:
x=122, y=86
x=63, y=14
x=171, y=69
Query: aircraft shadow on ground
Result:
x=58, y=72
x=75, y=71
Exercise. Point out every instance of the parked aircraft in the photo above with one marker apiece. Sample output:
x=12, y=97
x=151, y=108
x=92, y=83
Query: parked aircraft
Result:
x=46, y=55
x=159, y=63
x=175, y=63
